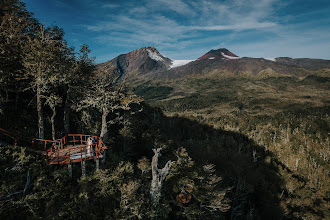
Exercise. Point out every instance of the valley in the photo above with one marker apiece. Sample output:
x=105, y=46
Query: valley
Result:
x=283, y=106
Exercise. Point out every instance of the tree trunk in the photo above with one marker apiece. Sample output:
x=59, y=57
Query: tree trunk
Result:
x=158, y=176
x=40, y=114
x=67, y=112
x=104, y=128
x=52, y=119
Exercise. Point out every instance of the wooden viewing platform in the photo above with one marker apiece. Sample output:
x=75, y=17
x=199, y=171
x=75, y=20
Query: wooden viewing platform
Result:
x=72, y=148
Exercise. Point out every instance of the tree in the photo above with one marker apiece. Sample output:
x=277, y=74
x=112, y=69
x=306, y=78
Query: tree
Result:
x=106, y=97
x=16, y=24
x=80, y=68
x=53, y=101
x=43, y=65
x=198, y=191
x=158, y=177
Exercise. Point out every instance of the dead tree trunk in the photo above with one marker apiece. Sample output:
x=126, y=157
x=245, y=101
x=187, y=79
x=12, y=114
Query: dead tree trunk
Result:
x=158, y=176
x=40, y=114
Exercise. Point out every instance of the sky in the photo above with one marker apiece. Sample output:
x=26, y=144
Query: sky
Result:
x=187, y=29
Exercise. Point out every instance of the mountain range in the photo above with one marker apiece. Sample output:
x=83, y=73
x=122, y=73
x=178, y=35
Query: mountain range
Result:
x=148, y=62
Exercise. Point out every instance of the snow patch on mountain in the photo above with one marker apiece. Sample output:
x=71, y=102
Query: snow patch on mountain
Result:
x=229, y=57
x=271, y=59
x=177, y=63
x=154, y=56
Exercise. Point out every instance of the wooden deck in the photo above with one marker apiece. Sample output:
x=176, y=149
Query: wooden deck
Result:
x=72, y=148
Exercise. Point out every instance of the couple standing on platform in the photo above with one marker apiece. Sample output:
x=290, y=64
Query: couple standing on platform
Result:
x=90, y=146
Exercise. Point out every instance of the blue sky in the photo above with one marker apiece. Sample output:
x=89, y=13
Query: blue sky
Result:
x=185, y=30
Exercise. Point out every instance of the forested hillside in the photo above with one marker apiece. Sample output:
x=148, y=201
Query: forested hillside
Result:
x=208, y=147
x=286, y=116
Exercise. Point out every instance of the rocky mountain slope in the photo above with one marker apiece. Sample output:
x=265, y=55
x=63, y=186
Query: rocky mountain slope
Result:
x=140, y=61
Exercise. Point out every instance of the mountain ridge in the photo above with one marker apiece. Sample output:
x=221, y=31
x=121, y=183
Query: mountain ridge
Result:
x=148, y=62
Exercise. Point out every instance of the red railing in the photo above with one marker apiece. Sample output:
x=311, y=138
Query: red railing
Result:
x=76, y=154
x=6, y=133
x=60, y=143
x=57, y=153
x=46, y=143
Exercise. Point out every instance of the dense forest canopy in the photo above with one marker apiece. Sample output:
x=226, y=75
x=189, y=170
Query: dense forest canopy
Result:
x=194, y=162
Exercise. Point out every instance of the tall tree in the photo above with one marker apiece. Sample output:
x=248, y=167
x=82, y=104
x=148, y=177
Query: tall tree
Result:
x=107, y=98
x=102, y=96
x=80, y=68
x=43, y=66
x=16, y=23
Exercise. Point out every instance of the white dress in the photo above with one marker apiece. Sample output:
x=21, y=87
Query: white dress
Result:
x=89, y=148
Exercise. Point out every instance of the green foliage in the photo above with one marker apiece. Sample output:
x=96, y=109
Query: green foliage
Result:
x=206, y=195
x=153, y=92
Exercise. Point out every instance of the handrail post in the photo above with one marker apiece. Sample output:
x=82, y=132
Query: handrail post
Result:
x=97, y=167
x=83, y=168
x=70, y=169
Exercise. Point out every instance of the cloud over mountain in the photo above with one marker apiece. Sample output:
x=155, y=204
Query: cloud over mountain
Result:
x=183, y=29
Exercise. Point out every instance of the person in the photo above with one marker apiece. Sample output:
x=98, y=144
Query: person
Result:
x=94, y=144
x=89, y=147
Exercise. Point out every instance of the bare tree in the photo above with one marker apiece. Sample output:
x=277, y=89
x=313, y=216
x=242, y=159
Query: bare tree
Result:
x=158, y=177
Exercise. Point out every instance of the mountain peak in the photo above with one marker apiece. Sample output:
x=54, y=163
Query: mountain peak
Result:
x=150, y=52
x=139, y=61
x=221, y=53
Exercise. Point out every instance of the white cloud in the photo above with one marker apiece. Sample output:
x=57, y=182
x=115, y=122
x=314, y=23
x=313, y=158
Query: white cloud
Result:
x=237, y=27
x=238, y=22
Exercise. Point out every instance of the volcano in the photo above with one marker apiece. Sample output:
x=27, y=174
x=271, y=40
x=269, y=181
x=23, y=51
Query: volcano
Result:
x=222, y=53
x=136, y=62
